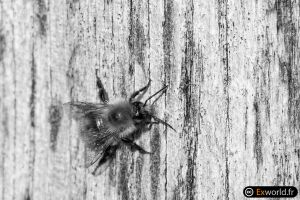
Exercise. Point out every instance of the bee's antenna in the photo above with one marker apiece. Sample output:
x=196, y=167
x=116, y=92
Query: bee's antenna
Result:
x=163, y=122
x=157, y=98
x=162, y=89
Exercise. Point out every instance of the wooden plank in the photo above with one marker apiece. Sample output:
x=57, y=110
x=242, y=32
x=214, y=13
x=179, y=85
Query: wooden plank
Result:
x=233, y=73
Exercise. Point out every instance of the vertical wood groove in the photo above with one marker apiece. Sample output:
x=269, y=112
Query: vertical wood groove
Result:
x=223, y=31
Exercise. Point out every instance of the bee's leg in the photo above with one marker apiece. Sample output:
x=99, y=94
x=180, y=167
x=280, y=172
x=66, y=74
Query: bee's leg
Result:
x=135, y=146
x=104, y=162
x=109, y=154
x=162, y=90
x=162, y=122
x=133, y=95
x=102, y=92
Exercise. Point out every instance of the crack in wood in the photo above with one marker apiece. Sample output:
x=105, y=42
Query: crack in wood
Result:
x=258, y=135
x=190, y=109
x=2, y=44
x=287, y=34
x=32, y=106
x=168, y=48
x=137, y=40
x=72, y=73
x=32, y=100
x=287, y=62
x=155, y=159
x=224, y=47
x=42, y=17
x=138, y=172
x=5, y=135
x=123, y=182
x=27, y=195
x=55, y=116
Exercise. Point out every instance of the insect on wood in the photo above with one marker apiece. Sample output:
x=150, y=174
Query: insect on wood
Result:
x=104, y=127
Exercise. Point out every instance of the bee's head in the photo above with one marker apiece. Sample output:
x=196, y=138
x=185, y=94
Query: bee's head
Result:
x=141, y=113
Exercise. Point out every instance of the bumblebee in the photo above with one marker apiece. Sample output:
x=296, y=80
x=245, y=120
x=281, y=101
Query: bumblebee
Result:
x=104, y=127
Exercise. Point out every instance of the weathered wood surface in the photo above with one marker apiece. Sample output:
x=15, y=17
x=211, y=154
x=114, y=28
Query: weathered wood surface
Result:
x=234, y=98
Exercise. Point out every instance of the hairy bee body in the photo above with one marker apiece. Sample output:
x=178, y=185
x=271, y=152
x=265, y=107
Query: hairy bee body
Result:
x=104, y=127
x=102, y=121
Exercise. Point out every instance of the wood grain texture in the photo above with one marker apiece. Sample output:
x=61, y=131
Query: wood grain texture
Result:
x=233, y=70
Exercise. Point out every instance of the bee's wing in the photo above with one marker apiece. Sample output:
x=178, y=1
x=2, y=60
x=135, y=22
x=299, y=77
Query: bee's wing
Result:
x=98, y=138
x=94, y=158
x=81, y=109
x=92, y=122
x=102, y=160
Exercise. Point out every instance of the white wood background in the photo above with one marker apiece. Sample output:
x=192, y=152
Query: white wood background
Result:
x=234, y=73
